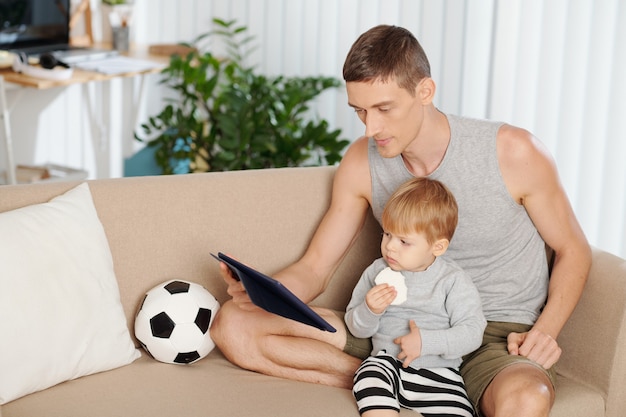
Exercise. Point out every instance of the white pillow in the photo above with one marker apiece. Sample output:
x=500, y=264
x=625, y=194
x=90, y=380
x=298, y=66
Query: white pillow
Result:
x=60, y=311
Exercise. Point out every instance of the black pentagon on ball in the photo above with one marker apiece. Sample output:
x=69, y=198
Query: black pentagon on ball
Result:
x=176, y=287
x=162, y=325
x=203, y=319
x=186, y=357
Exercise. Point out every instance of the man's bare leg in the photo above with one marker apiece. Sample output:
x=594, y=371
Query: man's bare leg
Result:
x=272, y=345
x=519, y=390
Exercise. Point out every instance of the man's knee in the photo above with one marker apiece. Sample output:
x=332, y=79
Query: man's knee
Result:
x=521, y=390
x=230, y=332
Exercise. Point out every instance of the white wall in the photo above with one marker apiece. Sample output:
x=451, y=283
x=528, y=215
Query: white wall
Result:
x=554, y=67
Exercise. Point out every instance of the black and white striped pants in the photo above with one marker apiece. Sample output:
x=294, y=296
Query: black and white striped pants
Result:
x=382, y=383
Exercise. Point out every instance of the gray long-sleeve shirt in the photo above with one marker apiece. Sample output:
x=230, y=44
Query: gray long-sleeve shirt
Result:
x=443, y=302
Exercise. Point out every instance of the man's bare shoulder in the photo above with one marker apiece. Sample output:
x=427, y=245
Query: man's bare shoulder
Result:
x=524, y=161
x=356, y=152
x=518, y=143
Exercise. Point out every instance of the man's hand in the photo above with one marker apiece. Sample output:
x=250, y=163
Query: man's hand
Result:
x=410, y=345
x=379, y=297
x=236, y=290
x=536, y=346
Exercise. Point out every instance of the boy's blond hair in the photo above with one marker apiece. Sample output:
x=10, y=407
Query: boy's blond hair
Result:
x=421, y=205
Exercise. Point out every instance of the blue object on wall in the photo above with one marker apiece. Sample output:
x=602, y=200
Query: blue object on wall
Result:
x=142, y=163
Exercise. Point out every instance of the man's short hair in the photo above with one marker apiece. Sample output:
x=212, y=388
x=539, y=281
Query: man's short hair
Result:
x=387, y=53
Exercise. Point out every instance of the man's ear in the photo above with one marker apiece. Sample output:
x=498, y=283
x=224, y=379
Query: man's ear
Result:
x=426, y=90
x=440, y=247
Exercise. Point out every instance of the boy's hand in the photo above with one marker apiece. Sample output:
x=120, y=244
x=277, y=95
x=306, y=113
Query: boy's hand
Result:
x=410, y=345
x=380, y=297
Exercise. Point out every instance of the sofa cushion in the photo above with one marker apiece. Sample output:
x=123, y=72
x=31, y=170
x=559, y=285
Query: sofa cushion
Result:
x=59, y=300
x=210, y=387
x=215, y=387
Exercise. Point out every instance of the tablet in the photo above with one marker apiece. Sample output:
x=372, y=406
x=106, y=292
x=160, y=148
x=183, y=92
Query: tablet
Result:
x=273, y=296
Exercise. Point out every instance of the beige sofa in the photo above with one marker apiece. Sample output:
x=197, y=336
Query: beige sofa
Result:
x=161, y=228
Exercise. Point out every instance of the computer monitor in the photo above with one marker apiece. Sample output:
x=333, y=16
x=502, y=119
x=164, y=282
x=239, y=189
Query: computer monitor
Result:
x=34, y=25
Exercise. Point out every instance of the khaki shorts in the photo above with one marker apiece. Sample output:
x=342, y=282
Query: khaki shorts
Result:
x=359, y=348
x=480, y=367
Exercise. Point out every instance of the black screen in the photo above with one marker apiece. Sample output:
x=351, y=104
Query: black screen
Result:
x=26, y=24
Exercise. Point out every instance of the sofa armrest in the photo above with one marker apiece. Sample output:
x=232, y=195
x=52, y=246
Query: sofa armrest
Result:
x=594, y=339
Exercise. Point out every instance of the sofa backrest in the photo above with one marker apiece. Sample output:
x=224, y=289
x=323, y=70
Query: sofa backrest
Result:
x=165, y=227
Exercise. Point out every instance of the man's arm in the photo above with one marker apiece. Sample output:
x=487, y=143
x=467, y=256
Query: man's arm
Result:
x=309, y=276
x=532, y=179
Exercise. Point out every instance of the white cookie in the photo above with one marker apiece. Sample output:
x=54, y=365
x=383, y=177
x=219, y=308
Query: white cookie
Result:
x=396, y=280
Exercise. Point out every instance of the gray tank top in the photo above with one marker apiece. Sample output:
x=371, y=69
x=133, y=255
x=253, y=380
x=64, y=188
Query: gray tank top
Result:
x=495, y=241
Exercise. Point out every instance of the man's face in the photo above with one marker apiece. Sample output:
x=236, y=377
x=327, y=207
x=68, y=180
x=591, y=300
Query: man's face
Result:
x=391, y=115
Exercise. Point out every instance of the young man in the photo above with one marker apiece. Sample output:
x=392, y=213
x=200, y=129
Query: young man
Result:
x=510, y=202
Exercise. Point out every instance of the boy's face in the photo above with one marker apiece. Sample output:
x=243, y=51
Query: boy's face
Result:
x=391, y=115
x=410, y=252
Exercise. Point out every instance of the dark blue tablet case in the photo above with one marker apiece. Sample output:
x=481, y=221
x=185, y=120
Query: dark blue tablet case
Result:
x=272, y=296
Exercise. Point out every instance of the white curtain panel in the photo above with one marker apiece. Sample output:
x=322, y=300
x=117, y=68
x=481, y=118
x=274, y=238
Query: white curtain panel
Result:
x=554, y=67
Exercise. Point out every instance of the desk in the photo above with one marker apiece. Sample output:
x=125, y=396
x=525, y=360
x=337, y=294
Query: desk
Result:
x=22, y=81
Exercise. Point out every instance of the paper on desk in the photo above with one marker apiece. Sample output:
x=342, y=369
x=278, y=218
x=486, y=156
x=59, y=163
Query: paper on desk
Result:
x=117, y=65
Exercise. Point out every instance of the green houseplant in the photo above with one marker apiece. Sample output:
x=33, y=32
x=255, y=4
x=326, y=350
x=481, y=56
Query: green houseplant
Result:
x=226, y=116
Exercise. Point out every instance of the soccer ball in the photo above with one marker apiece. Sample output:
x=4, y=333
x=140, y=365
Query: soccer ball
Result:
x=173, y=322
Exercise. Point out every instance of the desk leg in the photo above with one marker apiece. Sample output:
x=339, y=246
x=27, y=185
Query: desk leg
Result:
x=136, y=96
x=8, y=139
x=138, y=102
